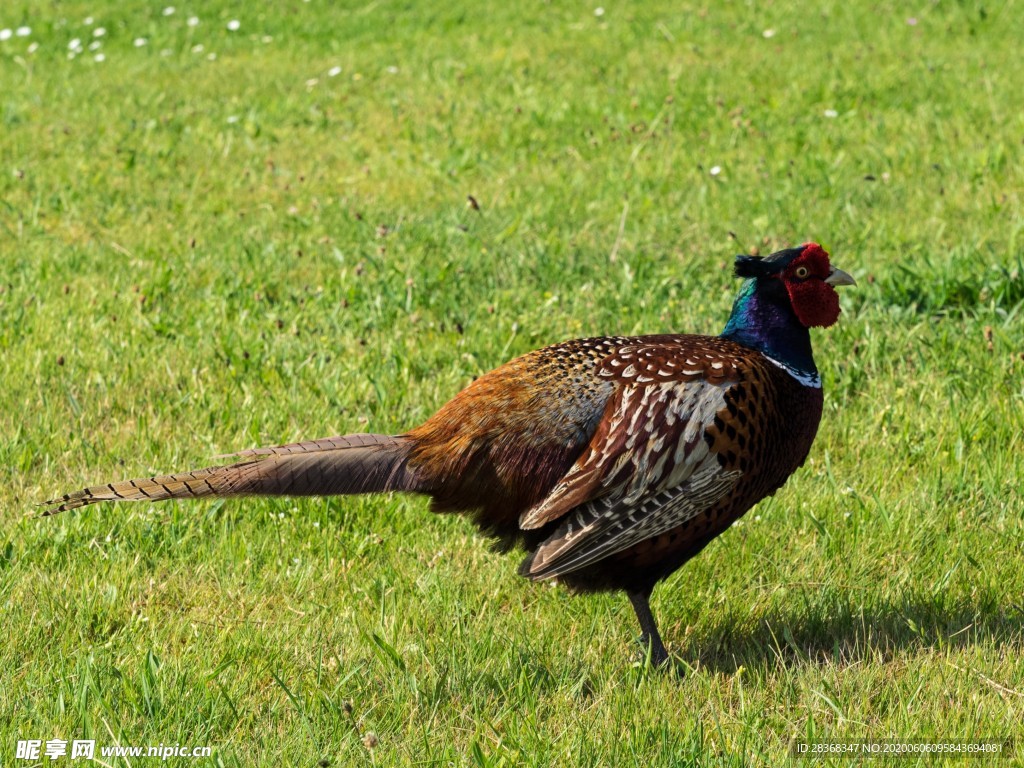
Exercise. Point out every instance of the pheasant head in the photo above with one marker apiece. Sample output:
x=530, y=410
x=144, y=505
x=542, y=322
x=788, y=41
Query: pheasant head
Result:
x=784, y=295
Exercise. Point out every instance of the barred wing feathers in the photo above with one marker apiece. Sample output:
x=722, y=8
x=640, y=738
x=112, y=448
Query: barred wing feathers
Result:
x=656, y=459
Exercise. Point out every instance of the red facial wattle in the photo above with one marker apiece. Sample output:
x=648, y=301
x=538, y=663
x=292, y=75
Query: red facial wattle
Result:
x=814, y=301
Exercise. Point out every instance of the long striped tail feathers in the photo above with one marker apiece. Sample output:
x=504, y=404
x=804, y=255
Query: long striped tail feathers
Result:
x=349, y=464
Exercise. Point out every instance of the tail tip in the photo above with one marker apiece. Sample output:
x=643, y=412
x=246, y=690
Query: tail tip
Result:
x=56, y=506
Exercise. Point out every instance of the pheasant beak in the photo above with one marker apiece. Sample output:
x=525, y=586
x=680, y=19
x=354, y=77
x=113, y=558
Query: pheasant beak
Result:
x=838, y=277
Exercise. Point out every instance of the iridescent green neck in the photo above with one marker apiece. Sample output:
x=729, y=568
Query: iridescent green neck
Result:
x=764, y=320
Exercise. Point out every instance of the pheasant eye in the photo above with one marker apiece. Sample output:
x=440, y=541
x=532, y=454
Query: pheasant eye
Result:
x=802, y=272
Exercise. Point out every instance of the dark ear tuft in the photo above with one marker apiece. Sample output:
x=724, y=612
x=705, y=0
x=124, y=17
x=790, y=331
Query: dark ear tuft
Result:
x=753, y=266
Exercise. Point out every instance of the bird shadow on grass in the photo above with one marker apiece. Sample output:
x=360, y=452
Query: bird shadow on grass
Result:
x=842, y=634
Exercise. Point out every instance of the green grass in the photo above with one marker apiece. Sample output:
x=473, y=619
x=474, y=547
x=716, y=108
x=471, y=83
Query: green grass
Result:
x=200, y=255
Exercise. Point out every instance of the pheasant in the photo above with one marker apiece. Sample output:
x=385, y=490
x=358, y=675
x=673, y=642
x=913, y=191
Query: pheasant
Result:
x=611, y=461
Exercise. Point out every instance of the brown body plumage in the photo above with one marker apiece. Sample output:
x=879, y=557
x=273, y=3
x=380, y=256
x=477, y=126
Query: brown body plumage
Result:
x=611, y=461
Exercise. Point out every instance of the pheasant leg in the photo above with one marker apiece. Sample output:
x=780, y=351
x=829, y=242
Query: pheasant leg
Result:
x=650, y=638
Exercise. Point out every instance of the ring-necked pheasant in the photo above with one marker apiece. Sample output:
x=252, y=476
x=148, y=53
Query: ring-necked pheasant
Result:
x=611, y=461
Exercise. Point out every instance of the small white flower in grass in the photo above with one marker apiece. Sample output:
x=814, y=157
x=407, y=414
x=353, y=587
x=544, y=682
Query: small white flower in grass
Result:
x=23, y=31
x=768, y=33
x=234, y=25
x=232, y=118
x=197, y=48
x=5, y=34
x=334, y=71
x=211, y=57
x=599, y=11
x=312, y=81
x=33, y=47
x=95, y=45
x=169, y=10
x=831, y=113
x=139, y=42
x=88, y=21
x=99, y=32
x=757, y=518
x=316, y=523
x=193, y=21
x=715, y=170
x=75, y=44
x=912, y=22
x=99, y=57
x=392, y=70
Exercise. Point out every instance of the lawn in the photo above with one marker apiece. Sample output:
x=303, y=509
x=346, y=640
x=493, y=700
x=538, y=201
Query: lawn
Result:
x=245, y=224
